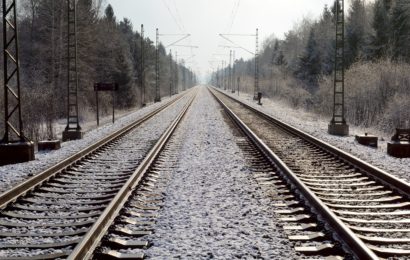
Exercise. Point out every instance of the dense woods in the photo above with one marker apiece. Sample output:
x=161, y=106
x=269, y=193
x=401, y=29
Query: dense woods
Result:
x=108, y=50
x=298, y=68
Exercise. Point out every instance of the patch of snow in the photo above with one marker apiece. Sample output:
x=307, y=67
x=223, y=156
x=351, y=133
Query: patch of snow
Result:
x=213, y=207
x=317, y=126
x=12, y=174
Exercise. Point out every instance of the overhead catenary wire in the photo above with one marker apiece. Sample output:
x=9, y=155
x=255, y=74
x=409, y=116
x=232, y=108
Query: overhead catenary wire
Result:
x=178, y=15
x=234, y=13
x=173, y=16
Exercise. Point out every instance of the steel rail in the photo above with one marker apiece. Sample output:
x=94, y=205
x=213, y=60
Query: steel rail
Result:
x=85, y=249
x=33, y=182
x=344, y=233
x=388, y=179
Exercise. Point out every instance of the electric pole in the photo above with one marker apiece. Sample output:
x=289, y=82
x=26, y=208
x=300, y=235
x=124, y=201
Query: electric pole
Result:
x=14, y=147
x=73, y=129
x=171, y=74
x=142, y=69
x=230, y=71
x=157, y=87
x=256, y=91
x=176, y=73
x=233, y=71
x=338, y=124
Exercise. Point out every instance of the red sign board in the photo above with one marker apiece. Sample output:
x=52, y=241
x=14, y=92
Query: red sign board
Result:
x=105, y=86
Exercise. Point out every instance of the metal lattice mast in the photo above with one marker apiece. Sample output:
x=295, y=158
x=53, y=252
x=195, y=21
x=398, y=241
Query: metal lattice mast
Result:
x=171, y=74
x=13, y=123
x=142, y=79
x=233, y=72
x=338, y=123
x=230, y=71
x=217, y=78
x=184, y=77
x=176, y=72
x=72, y=75
x=225, y=68
x=222, y=74
x=338, y=97
x=157, y=90
x=256, y=90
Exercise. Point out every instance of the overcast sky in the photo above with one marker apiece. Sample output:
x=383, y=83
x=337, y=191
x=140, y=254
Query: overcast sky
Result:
x=206, y=19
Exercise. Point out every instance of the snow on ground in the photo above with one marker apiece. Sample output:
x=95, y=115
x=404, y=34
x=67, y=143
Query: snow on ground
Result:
x=213, y=206
x=15, y=173
x=317, y=126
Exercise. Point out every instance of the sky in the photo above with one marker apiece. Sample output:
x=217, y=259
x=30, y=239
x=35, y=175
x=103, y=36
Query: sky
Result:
x=204, y=20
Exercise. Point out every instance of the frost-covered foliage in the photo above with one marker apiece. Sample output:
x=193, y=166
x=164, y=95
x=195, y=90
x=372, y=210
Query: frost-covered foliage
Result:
x=299, y=68
x=377, y=95
x=108, y=50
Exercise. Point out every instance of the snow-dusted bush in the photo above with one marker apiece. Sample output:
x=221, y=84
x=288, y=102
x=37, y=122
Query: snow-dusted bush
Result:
x=377, y=94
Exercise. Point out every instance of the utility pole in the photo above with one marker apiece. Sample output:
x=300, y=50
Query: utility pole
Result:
x=225, y=68
x=142, y=79
x=230, y=71
x=183, y=75
x=338, y=124
x=233, y=71
x=222, y=75
x=176, y=72
x=171, y=74
x=256, y=54
x=238, y=80
x=73, y=129
x=157, y=90
x=217, y=78
x=14, y=147
x=256, y=91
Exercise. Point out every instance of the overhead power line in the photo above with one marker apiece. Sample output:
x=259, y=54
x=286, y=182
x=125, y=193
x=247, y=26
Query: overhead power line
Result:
x=173, y=16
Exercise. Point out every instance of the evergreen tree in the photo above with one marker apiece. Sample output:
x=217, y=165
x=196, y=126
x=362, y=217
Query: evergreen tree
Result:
x=325, y=35
x=275, y=52
x=400, y=30
x=310, y=64
x=109, y=13
x=355, y=32
x=381, y=25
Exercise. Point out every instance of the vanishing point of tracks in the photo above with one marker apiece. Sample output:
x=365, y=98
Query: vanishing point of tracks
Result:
x=65, y=210
x=101, y=202
x=335, y=202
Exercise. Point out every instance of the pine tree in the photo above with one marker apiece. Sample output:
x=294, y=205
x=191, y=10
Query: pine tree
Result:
x=355, y=32
x=400, y=30
x=325, y=35
x=310, y=63
x=381, y=25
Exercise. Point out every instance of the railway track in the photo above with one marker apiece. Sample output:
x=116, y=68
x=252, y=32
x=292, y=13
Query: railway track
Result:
x=50, y=215
x=366, y=209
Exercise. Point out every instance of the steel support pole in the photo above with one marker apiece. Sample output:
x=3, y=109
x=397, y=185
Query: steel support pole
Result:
x=73, y=129
x=171, y=74
x=14, y=147
x=233, y=71
x=157, y=78
x=13, y=123
x=176, y=72
x=142, y=69
x=338, y=124
x=256, y=89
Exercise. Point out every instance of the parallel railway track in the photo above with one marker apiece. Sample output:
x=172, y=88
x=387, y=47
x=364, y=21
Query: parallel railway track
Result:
x=365, y=208
x=47, y=216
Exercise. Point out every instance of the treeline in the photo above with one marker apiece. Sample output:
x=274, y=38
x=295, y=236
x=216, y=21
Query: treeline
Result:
x=108, y=51
x=299, y=67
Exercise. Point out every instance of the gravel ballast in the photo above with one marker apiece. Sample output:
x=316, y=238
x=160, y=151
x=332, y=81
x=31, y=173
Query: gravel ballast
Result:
x=213, y=207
